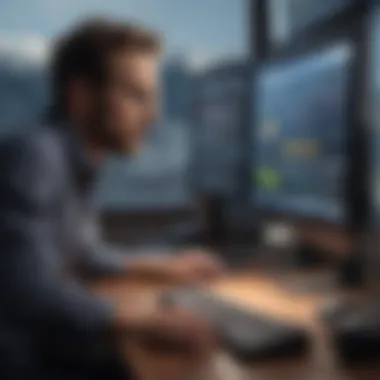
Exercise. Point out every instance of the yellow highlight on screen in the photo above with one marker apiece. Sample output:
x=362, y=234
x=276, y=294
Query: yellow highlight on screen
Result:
x=301, y=148
x=268, y=178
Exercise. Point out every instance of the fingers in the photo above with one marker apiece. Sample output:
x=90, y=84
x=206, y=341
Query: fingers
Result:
x=209, y=266
x=205, y=261
x=180, y=331
x=197, y=329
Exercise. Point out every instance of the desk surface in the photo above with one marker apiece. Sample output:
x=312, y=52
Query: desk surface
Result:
x=255, y=292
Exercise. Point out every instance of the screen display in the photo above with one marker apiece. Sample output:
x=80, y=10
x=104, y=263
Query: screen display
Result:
x=217, y=133
x=299, y=144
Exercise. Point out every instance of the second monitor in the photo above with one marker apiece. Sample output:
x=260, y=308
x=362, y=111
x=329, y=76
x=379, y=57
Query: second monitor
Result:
x=219, y=121
x=301, y=144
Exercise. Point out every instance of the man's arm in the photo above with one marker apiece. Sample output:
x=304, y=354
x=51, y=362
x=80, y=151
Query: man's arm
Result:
x=35, y=293
x=33, y=289
x=99, y=259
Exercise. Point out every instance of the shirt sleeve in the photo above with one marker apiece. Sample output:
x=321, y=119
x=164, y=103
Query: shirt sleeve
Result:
x=97, y=258
x=100, y=259
x=34, y=290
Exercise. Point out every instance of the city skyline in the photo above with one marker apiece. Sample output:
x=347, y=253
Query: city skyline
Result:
x=190, y=28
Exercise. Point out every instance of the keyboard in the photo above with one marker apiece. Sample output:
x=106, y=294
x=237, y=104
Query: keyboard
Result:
x=247, y=336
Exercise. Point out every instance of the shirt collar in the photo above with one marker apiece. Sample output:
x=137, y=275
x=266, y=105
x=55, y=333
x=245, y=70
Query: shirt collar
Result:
x=84, y=171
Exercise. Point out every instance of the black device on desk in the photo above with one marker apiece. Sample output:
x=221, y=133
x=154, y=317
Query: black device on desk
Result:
x=305, y=160
x=355, y=324
x=248, y=336
x=355, y=329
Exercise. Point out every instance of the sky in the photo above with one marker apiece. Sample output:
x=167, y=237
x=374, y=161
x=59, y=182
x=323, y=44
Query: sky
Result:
x=201, y=29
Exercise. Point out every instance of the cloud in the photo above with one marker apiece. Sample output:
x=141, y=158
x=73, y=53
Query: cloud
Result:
x=199, y=61
x=25, y=49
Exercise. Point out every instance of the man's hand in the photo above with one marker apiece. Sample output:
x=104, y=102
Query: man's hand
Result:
x=205, y=262
x=190, y=266
x=194, y=266
x=178, y=330
x=166, y=329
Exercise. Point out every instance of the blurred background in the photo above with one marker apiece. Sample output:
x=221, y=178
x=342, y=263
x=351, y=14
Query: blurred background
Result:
x=198, y=149
x=196, y=36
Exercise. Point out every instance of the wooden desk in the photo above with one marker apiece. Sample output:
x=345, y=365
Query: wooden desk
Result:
x=254, y=292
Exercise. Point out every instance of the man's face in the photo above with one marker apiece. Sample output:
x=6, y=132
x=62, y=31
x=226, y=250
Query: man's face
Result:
x=128, y=105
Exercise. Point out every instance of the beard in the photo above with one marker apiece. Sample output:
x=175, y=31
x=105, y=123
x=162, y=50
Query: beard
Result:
x=110, y=137
x=112, y=134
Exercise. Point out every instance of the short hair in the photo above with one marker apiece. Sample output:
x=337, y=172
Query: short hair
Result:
x=86, y=50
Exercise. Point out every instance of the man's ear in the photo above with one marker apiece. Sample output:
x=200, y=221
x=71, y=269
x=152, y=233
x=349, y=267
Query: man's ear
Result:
x=79, y=98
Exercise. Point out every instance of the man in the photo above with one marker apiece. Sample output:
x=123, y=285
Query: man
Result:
x=104, y=88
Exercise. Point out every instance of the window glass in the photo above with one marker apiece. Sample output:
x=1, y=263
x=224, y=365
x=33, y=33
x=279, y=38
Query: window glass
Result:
x=289, y=17
x=197, y=33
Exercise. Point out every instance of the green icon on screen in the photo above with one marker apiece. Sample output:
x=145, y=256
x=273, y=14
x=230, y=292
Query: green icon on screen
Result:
x=268, y=178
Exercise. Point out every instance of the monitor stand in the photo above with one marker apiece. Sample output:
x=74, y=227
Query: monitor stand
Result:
x=215, y=224
x=298, y=267
x=277, y=247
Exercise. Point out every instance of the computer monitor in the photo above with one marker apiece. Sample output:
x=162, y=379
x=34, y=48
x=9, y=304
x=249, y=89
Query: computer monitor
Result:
x=220, y=114
x=300, y=134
